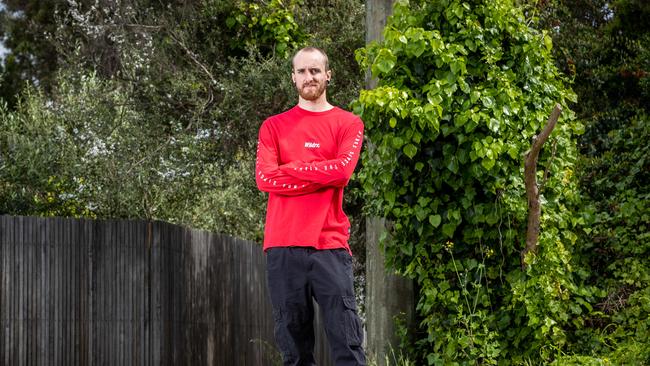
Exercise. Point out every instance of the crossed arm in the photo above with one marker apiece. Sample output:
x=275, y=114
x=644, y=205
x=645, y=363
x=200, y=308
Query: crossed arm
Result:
x=297, y=177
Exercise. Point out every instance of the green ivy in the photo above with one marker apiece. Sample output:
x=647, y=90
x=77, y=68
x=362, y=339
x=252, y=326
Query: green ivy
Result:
x=464, y=86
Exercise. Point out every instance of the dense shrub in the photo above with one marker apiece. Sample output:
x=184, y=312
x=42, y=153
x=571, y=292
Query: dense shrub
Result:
x=605, y=45
x=463, y=89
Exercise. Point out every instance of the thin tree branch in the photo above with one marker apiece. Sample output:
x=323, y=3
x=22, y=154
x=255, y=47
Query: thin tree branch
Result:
x=193, y=57
x=532, y=190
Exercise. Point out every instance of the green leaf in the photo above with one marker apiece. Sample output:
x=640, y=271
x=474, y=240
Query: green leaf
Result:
x=458, y=66
x=393, y=122
x=474, y=95
x=389, y=196
x=437, y=45
x=449, y=229
x=487, y=163
x=464, y=86
x=397, y=142
x=410, y=150
x=435, y=220
x=493, y=124
x=460, y=120
x=452, y=164
x=416, y=48
x=407, y=248
x=421, y=213
x=434, y=99
x=548, y=42
x=488, y=101
x=384, y=62
x=230, y=22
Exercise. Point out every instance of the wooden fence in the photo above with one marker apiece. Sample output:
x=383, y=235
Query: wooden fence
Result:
x=84, y=292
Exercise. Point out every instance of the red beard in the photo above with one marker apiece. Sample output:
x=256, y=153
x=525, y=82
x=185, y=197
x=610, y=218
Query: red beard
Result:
x=311, y=93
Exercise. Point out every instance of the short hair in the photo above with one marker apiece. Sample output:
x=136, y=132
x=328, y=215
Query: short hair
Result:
x=312, y=49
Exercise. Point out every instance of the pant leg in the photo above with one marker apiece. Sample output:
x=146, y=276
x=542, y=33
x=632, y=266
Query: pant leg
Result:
x=333, y=286
x=293, y=309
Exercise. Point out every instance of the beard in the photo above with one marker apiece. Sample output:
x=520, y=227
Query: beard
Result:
x=311, y=93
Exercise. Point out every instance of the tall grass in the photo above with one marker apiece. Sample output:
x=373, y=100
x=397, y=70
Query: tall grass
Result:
x=392, y=359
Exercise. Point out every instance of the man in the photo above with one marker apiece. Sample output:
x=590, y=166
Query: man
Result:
x=305, y=157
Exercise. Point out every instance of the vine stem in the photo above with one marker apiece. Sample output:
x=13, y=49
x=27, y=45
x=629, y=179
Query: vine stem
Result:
x=461, y=282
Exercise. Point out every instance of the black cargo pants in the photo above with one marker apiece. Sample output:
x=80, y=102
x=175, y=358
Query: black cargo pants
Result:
x=295, y=275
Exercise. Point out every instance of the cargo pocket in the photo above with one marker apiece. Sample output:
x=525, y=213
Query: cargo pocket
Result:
x=351, y=322
x=280, y=331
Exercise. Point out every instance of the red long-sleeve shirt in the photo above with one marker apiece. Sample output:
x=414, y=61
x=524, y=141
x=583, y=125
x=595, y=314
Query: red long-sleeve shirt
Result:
x=304, y=159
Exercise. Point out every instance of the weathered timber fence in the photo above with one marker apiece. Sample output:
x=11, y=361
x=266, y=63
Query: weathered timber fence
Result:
x=84, y=292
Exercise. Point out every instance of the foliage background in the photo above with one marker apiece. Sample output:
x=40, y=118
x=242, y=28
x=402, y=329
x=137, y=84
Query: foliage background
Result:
x=604, y=46
x=152, y=111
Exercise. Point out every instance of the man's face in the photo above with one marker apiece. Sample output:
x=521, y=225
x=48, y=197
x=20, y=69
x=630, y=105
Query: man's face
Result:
x=310, y=75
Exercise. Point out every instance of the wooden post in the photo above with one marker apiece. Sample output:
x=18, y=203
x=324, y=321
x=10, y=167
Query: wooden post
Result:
x=377, y=11
x=387, y=295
